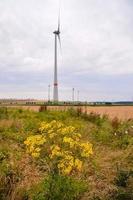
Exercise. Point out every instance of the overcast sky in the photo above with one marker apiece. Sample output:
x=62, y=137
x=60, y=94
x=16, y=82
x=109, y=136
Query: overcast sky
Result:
x=97, y=49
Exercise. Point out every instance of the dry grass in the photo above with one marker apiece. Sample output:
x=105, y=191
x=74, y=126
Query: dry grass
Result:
x=101, y=178
x=30, y=173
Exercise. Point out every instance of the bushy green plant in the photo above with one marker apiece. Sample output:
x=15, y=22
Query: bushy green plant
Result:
x=122, y=195
x=123, y=141
x=122, y=130
x=103, y=134
x=122, y=178
x=17, y=137
x=5, y=170
x=115, y=122
x=3, y=113
x=129, y=155
x=74, y=113
x=3, y=154
x=59, y=188
x=125, y=188
x=95, y=118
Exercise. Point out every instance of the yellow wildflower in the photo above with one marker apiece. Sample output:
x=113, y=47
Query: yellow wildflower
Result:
x=31, y=149
x=67, y=170
x=61, y=144
x=35, y=140
x=55, y=151
x=65, y=166
x=70, y=141
x=87, y=149
x=35, y=155
x=52, y=135
x=38, y=149
x=78, y=164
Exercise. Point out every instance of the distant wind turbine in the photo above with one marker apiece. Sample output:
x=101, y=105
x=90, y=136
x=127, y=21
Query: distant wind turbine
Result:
x=57, y=37
x=78, y=96
x=49, y=93
x=73, y=91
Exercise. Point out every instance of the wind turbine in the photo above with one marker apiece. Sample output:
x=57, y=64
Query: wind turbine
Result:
x=78, y=96
x=49, y=93
x=73, y=92
x=57, y=37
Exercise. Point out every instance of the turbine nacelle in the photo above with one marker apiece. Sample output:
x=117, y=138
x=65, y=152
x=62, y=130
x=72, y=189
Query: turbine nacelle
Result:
x=57, y=32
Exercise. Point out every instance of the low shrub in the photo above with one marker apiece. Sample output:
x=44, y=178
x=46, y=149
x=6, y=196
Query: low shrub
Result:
x=103, y=134
x=122, y=178
x=58, y=187
x=122, y=142
x=115, y=123
x=3, y=154
x=95, y=118
x=3, y=113
x=124, y=183
x=5, y=182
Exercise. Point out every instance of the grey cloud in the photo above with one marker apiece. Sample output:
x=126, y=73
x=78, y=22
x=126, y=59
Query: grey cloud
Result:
x=96, y=41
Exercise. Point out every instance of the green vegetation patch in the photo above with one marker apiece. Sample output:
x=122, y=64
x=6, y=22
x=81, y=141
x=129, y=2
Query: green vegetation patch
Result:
x=23, y=177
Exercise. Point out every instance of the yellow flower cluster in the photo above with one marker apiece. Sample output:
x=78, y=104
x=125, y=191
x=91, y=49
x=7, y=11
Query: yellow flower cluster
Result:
x=66, y=164
x=55, y=151
x=62, y=146
x=69, y=163
x=70, y=141
x=33, y=144
x=87, y=149
x=68, y=130
x=52, y=126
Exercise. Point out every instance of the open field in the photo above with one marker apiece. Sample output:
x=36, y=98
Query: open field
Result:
x=121, y=112
x=107, y=174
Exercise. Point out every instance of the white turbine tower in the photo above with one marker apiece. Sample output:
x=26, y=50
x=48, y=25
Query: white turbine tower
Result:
x=57, y=36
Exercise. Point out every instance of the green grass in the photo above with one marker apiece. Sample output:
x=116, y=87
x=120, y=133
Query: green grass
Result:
x=112, y=145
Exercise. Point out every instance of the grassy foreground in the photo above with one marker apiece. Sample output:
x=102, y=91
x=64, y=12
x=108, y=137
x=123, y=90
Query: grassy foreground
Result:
x=107, y=174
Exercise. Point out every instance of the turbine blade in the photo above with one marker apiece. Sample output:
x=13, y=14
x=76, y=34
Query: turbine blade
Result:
x=59, y=23
x=59, y=16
